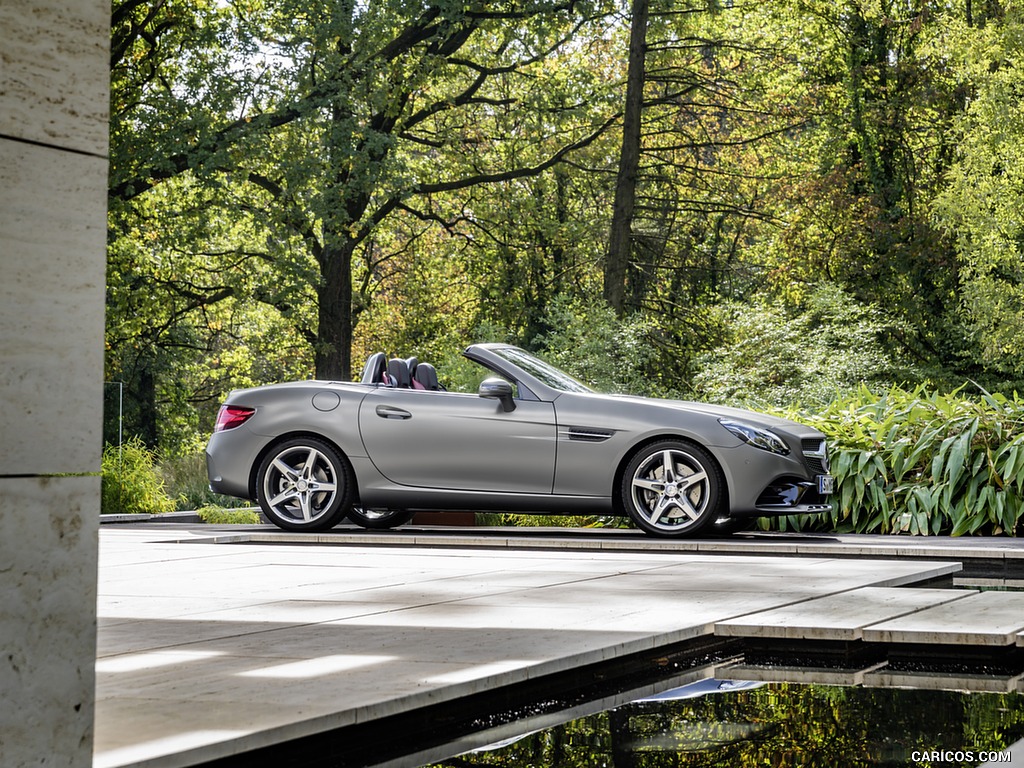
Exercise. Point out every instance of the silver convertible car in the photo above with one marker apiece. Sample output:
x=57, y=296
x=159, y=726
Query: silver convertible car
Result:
x=531, y=439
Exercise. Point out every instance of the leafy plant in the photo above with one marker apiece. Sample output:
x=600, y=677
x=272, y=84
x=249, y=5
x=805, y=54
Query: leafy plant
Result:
x=215, y=515
x=131, y=482
x=777, y=356
x=606, y=352
x=924, y=463
x=185, y=477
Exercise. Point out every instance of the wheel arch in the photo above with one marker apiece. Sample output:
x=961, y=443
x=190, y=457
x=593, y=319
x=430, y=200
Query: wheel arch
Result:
x=298, y=434
x=620, y=470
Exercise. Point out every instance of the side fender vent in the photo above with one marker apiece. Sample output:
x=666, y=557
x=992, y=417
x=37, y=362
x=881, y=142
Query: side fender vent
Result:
x=589, y=434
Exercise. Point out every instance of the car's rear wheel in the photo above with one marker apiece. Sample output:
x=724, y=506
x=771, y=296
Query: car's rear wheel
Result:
x=672, y=488
x=379, y=519
x=304, y=485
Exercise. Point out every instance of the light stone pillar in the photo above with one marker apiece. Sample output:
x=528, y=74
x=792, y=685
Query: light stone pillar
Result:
x=54, y=61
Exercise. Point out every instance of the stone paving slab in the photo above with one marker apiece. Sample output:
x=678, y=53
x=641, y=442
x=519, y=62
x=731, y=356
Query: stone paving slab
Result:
x=211, y=650
x=986, y=618
x=758, y=543
x=840, y=616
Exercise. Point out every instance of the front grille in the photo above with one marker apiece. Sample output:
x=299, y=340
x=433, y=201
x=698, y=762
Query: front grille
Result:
x=816, y=455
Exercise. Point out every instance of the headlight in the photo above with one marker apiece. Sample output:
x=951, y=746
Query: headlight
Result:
x=756, y=436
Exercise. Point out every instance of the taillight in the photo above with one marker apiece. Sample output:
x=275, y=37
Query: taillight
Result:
x=231, y=416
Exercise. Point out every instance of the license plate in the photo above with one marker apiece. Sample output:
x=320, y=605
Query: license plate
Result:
x=826, y=484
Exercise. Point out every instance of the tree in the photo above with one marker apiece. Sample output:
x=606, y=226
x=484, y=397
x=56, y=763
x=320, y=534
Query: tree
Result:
x=879, y=97
x=980, y=206
x=339, y=121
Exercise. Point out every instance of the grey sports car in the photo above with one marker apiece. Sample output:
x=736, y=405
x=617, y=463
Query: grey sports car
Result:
x=531, y=439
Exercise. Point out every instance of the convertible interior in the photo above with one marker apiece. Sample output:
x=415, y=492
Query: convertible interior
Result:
x=400, y=374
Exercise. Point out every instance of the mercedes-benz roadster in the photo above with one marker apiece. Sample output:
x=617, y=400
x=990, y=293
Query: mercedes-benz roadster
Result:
x=531, y=439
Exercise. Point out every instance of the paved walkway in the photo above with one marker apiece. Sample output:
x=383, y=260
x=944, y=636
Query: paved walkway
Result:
x=211, y=649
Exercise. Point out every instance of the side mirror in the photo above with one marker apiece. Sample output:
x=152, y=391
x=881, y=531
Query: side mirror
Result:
x=498, y=389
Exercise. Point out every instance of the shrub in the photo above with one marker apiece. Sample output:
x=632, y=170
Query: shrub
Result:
x=215, y=515
x=131, y=483
x=186, y=479
x=776, y=356
x=923, y=463
x=627, y=355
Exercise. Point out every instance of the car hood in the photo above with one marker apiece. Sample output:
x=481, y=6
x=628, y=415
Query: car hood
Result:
x=719, y=411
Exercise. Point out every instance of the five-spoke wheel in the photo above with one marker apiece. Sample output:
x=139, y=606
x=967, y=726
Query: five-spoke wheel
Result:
x=672, y=488
x=304, y=485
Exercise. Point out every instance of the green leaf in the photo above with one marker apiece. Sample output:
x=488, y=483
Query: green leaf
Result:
x=957, y=458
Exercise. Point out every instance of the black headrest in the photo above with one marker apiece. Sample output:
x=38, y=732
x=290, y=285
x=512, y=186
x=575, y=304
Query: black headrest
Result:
x=398, y=374
x=373, y=371
x=426, y=375
x=412, y=362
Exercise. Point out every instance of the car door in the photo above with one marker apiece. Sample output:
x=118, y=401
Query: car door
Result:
x=459, y=442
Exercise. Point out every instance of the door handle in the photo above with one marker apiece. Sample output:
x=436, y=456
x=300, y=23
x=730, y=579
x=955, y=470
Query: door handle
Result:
x=390, y=412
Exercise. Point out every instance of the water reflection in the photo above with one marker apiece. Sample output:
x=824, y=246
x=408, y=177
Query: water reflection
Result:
x=715, y=723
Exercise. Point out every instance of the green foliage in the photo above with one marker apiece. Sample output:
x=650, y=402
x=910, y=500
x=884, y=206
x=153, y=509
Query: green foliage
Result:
x=827, y=195
x=924, y=463
x=607, y=353
x=511, y=519
x=131, y=482
x=187, y=482
x=980, y=205
x=779, y=357
x=215, y=515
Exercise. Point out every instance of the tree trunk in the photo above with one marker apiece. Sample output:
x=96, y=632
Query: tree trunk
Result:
x=334, y=295
x=145, y=395
x=617, y=259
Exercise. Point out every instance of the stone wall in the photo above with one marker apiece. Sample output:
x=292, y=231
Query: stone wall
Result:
x=53, y=175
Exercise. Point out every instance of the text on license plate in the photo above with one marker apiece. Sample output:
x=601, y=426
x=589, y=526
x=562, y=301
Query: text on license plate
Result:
x=826, y=484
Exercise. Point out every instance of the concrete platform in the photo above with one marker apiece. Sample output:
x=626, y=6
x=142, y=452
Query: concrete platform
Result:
x=842, y=616
x=986, y=618
x=207, y=649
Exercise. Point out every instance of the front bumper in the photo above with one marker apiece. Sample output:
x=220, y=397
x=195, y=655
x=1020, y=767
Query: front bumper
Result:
x=771, y=485
x=796, y=497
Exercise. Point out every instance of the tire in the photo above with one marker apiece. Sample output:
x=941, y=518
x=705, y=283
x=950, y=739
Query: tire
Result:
x=379, y=519
x=672, y=488
x=304, y=485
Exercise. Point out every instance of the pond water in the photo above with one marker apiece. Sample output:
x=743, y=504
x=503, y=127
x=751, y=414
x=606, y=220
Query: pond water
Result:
x=731, y=724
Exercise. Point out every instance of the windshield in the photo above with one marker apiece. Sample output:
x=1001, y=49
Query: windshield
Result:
x=541, y=371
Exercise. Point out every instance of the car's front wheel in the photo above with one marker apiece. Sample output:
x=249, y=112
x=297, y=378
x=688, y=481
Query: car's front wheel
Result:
x=379, y=519
x=304, y=485
x=672, y=488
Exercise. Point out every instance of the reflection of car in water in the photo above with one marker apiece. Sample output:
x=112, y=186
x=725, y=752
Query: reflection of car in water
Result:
x=702, y=688
x=530, y=439
x=699, y=736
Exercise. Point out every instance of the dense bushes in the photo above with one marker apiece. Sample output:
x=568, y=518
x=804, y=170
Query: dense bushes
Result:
x=137, y=481
x=923, y=463
x=776, y=356
x=131, y=483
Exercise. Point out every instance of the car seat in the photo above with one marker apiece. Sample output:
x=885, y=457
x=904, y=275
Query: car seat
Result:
x=398, y=374
x=373, y=371
x=413, y=363
x=426, y=377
